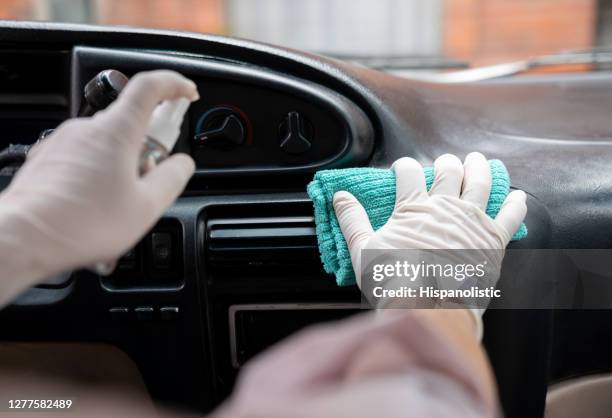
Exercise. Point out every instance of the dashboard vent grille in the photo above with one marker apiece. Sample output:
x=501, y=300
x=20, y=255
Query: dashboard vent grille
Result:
x=34, y=93
x=262, y=241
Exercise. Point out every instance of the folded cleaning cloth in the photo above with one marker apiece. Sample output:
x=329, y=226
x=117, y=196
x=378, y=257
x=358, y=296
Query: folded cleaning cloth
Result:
x=375, y=189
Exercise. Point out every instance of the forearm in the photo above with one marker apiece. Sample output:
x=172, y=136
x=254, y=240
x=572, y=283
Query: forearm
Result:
x=457, y=328
x=19, y=245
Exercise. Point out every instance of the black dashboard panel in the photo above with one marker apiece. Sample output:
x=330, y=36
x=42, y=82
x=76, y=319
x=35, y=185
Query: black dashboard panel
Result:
x=249, y=119
x=31, y=100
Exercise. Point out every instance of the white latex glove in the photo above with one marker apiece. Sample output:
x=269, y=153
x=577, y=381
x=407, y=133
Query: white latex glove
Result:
x=391, y=366
x=79, y=198
x=450, y=216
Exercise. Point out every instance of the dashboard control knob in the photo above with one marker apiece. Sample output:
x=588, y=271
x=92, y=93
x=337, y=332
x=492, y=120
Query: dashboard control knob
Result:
x=296, y=134
x=222, y=130
x=101, y=91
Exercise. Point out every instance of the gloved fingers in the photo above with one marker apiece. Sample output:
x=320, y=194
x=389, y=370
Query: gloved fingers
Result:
x=145, y=91
x=512, y=212
x=476, y=180
x=164, y=183
x=353, y=220
x=410, y=181
x=448, y=176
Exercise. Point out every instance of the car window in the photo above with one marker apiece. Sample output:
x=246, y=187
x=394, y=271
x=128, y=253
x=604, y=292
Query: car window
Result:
x=428, y=33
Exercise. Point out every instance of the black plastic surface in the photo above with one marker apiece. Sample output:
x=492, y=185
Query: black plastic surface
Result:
x=261, y=99
x=257, y=327
x=280, y=271
x=156, y=263
x=32, y=99
x=263, y=243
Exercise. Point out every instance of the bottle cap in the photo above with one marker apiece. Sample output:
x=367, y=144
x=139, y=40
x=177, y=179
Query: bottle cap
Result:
x=166, y=120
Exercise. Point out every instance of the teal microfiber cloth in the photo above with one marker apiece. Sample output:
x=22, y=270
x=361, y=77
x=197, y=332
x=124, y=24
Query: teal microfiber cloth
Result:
x=375, y=189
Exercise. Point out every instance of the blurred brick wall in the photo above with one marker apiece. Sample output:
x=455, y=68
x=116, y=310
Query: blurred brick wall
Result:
x=480, y=31
x=15, y=9
x=490, y=31
x=192, y=15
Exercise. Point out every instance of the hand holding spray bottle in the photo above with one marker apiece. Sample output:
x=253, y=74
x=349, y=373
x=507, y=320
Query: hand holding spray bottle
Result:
x=162, y=133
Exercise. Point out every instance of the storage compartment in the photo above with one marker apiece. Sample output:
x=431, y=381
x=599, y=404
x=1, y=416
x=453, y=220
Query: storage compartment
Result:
x=256, y=327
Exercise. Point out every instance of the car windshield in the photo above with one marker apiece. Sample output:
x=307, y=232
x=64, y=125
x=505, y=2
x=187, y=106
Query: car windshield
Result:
x=379, y=33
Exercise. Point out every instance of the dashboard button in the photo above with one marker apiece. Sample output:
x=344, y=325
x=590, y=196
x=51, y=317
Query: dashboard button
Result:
x=296, y=134
x=169, y=313
x=161, y=250
x=221, y=128
x=119, y=313
x=144, y=313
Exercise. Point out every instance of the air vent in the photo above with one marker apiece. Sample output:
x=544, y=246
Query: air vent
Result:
x=265, y=241
x=34, y=93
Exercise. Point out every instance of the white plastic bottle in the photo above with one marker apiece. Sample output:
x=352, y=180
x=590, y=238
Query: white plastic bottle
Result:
x=163, y=132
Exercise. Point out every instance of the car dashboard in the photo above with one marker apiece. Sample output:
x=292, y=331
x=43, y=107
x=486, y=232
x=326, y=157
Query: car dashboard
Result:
x=233, y=265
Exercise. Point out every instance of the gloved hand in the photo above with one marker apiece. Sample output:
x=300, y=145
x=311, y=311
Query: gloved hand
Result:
x=369, y=365
x=450, y=216
x=79, y=198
